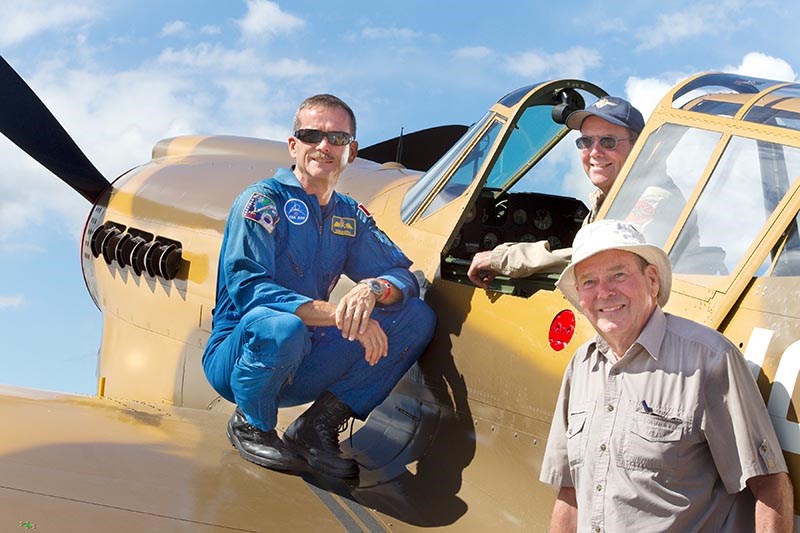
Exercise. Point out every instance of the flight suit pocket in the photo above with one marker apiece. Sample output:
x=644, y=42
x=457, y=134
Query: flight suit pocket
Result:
x=576, y=441
x=651, y=442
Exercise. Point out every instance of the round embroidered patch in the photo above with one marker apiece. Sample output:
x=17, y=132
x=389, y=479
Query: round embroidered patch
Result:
x=296, y=211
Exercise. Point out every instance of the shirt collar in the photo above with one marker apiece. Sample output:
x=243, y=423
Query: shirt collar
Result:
x=287, y=177
x=652, y=335
x=650, y=338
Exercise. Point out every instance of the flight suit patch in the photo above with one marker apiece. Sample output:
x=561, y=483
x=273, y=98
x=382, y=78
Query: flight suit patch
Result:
x=642, y=212
x=363, y=213
x=296, y=211
x=343, y=226
x=262, y=210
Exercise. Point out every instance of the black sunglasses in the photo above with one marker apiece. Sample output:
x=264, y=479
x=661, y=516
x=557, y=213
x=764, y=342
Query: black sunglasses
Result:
x=607, y=142
x=338, y=138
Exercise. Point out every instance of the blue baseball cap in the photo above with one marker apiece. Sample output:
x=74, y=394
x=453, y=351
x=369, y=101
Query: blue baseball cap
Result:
x=611, y=109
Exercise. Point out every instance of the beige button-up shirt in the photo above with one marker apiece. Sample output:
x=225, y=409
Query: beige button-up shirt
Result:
x=664, y=438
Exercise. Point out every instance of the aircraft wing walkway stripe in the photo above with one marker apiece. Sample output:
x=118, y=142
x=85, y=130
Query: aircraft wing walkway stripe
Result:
x=341, y=512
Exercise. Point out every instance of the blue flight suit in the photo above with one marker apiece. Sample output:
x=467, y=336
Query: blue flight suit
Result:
x=280, y=251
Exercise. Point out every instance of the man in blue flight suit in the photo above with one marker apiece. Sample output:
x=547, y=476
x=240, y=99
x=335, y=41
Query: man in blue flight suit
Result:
x=276, y=339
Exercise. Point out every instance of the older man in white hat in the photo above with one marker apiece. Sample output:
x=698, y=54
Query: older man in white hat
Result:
x=659, y=425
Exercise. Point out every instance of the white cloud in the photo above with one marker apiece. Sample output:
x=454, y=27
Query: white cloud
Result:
x=390, y=33
x=266, y=19
x=11, y=302
x=23, y=20
x=709, y=18
x=674, y=27
x=764, y=66
x=210, y=30
x=176, y=27
x=645, y=93
x=244, y=62
x=573, y=62
x=216, y=57
x=473, y=53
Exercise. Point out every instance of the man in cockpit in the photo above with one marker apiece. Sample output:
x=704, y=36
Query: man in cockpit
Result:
x=276, y=339
x=609, y=128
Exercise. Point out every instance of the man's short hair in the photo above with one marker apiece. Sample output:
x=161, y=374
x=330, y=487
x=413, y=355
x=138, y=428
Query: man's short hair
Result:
x=324, y=100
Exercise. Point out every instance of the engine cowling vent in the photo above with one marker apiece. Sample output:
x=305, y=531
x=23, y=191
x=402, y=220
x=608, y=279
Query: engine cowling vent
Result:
x=141, y=251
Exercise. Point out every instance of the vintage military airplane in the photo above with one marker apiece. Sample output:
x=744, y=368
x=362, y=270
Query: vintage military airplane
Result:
x=459, y=442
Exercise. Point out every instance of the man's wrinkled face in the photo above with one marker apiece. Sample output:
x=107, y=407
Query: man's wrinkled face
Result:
x=322, y=161
x=602, y=166
x=617, y=296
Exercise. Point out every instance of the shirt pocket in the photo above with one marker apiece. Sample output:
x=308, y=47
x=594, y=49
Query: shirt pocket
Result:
x=651, y=442
x=576, y=437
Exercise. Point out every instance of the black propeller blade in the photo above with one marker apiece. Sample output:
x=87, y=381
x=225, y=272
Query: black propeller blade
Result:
x=27, y=122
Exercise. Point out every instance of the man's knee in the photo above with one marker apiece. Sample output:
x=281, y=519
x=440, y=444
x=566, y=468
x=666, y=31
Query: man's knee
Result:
x=267, y=333
x=421, y=319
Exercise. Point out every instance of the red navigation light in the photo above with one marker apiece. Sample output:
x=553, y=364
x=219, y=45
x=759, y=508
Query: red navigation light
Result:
x=561, y=330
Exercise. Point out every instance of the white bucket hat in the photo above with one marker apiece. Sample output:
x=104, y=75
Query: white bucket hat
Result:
x=614, y=235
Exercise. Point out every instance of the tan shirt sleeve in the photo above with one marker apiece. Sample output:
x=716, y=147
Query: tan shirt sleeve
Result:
x=522, y=259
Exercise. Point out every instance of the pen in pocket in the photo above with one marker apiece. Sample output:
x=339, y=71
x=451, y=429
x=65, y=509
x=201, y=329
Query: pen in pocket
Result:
x=649, y=410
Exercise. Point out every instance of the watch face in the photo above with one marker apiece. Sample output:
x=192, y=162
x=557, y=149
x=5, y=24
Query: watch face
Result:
x=375, y=286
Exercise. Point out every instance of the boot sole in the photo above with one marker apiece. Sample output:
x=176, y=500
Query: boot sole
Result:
x=316, y=465
x=283, y=466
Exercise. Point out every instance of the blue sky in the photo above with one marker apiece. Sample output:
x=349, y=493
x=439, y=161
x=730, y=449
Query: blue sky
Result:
x=122, y=75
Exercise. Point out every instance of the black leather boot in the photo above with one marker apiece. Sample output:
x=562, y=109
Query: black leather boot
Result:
x=315, y=437
x=264, y=448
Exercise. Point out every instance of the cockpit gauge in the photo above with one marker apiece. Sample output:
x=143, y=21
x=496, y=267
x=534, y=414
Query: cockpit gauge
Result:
x=542, y=219
x=490, y=240
x=520, y=216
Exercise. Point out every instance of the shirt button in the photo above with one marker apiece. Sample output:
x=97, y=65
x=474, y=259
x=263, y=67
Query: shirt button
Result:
x=598, y=530
x=602, y=447
x=610, y=407
x=599, y=488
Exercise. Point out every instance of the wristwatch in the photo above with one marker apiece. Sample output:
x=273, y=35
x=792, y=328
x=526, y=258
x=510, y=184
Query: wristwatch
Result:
x=378, y=287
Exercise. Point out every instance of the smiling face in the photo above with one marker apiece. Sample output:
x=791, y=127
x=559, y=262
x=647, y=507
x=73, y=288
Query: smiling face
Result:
x=601, y=165
x=318, y=165
x=617, y=295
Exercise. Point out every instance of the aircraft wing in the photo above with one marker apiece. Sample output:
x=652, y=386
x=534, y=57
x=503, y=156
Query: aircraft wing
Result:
x=76, y=463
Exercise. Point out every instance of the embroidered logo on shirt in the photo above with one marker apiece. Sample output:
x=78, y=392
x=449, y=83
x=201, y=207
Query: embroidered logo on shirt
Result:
x=296, y=211
x=262, y=210
x=343, y=226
